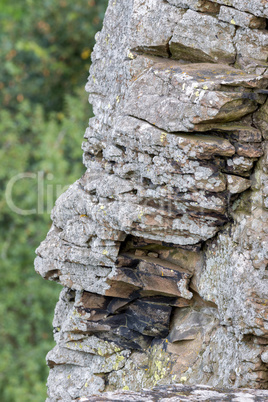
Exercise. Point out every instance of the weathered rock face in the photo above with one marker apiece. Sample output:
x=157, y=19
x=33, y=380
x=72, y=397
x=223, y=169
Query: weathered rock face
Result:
x=162, y=245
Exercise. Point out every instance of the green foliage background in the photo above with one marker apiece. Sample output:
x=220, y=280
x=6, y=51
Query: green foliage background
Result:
x=45, y=48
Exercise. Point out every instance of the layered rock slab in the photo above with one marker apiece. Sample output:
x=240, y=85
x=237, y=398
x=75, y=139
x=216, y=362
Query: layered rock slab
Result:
x=180, y=97
x=255, y=7
x=182, y=393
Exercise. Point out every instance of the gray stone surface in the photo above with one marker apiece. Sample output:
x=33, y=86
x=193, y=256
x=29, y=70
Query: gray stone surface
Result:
x=180, y=97
x=240, y=18
x=252, y=47
x=162, y=245
x=205, y=6
x=203, y=38
x=153, y=24
x=255, y=7
x=181, y=393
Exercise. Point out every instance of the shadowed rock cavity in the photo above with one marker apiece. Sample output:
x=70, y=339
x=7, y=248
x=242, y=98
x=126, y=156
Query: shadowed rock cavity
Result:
x=162, y=245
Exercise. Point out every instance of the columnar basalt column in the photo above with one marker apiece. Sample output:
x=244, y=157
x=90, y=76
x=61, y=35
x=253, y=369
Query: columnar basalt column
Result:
x=162, y=245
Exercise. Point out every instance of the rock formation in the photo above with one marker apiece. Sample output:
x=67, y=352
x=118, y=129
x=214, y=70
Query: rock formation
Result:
x=162, y=245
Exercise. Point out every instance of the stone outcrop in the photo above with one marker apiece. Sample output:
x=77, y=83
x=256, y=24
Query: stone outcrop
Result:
x=162, y=245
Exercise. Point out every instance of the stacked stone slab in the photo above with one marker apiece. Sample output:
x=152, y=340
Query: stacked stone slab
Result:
x=182, y=393
x=162, y=245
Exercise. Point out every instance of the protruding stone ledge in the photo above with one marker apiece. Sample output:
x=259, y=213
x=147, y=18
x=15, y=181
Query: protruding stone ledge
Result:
x=180, y=393
x=178, y=97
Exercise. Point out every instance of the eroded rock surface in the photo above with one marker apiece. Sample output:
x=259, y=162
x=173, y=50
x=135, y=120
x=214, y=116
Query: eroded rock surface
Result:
x=162, y=245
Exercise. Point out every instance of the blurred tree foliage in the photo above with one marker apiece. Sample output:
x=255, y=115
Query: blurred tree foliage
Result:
x=46, y=45
x=45, y=49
